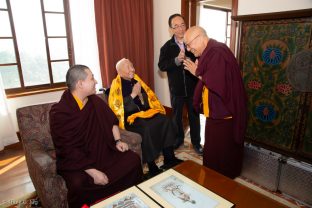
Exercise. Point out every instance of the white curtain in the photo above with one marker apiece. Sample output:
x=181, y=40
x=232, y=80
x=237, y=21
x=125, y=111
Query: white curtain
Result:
x=84, y=36
x=7, y=133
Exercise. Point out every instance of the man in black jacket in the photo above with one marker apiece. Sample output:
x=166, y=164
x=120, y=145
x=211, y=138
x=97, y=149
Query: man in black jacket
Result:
x=181, y=81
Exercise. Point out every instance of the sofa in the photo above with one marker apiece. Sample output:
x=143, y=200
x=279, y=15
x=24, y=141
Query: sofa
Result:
x=34, y=128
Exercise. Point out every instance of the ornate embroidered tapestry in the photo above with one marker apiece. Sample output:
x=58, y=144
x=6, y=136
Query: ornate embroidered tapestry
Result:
x=276, y=59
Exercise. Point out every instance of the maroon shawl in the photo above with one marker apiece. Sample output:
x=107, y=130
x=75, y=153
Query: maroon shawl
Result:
x=78, y=134
x=221, y=75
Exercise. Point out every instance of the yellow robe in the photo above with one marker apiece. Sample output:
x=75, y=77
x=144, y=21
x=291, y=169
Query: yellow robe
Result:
x=115, y=102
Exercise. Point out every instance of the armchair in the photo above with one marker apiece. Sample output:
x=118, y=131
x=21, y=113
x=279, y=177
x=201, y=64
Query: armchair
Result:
x=34, y=127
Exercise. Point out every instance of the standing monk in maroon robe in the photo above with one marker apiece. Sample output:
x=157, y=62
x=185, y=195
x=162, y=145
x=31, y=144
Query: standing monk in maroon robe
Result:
x=90, y=156
x=221, y=96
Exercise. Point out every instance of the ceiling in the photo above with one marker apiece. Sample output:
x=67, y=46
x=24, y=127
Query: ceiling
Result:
x=218, y=3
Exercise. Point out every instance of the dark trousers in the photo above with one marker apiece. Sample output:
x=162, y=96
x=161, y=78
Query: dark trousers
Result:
x=177, y=103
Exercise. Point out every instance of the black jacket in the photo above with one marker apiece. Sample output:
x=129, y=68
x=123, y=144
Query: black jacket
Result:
x=181, y=81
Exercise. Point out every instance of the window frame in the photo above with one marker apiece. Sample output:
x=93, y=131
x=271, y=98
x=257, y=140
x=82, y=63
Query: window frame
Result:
x=228, y=23
x=43, y=88
x=189, y=11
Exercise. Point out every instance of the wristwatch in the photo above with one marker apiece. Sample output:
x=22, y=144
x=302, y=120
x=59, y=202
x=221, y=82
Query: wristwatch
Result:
x=117, y=141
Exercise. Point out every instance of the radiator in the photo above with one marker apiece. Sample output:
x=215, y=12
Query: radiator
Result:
x=261, y=166
x=296, y=180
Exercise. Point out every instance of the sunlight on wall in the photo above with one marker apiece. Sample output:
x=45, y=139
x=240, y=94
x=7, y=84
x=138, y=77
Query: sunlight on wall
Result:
x=3, y=106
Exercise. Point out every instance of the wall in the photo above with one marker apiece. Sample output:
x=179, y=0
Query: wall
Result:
x=266, y=6
x=162, y=10
x=85, y=49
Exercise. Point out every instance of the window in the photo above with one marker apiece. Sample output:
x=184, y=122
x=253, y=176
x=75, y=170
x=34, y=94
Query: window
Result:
x=35, y=45
x=216, y=22
x=228, y=28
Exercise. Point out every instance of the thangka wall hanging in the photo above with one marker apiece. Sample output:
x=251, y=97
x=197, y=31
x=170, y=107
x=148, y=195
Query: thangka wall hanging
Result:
x=275, y=55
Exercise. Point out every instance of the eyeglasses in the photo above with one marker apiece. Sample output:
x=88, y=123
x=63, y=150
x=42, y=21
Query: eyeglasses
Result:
x=188, y=44
x=178, y=26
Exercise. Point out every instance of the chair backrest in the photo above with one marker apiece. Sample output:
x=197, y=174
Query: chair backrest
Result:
x=34, y=125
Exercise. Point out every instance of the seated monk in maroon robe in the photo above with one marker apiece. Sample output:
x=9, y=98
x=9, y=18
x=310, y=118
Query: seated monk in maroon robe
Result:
x=221, y=95
x=90, y=156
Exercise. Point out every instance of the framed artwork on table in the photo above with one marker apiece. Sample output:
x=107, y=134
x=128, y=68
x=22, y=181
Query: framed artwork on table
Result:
x=131, y=197
x=172, y=189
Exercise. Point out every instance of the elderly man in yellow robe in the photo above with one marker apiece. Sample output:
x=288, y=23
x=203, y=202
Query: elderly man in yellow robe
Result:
x=139, y=110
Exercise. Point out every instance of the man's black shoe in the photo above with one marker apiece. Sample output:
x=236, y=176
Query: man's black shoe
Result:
x=178, y=144
x=171, y=164
x=198, y=149
x=152, y=173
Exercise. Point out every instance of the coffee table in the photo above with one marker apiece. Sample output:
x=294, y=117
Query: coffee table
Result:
x=240, y=195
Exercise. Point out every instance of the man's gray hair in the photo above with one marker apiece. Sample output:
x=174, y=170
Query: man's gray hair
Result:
x=118, y=64
x=74, y=74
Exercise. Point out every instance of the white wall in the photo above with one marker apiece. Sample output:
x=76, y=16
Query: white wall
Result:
x=85, y=49
x=266, y=6
x=162, y=9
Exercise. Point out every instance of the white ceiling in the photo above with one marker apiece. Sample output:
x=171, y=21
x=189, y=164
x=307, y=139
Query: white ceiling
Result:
x=218, y=3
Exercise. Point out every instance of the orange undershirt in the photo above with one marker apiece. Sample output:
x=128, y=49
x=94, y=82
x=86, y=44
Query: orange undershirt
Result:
x=79, y=102
x=205, y=99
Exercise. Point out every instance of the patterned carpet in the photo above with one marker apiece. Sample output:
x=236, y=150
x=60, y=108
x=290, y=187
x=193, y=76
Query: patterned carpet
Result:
x=185, y=152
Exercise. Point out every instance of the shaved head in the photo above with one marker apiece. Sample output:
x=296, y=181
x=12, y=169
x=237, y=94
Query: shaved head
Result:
x=194, y=31
x=120, y=63
x=196, y=40
x=125, y=68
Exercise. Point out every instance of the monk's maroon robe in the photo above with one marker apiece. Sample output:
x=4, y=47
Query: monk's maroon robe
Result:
x=223, y=150
x=83, y=139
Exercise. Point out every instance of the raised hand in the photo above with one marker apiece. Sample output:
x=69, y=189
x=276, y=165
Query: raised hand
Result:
x=181, y=56
x=136, y=90
x=190, y=65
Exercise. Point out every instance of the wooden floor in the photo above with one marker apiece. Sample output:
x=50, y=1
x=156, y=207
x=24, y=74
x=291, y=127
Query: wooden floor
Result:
x=15, y=182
